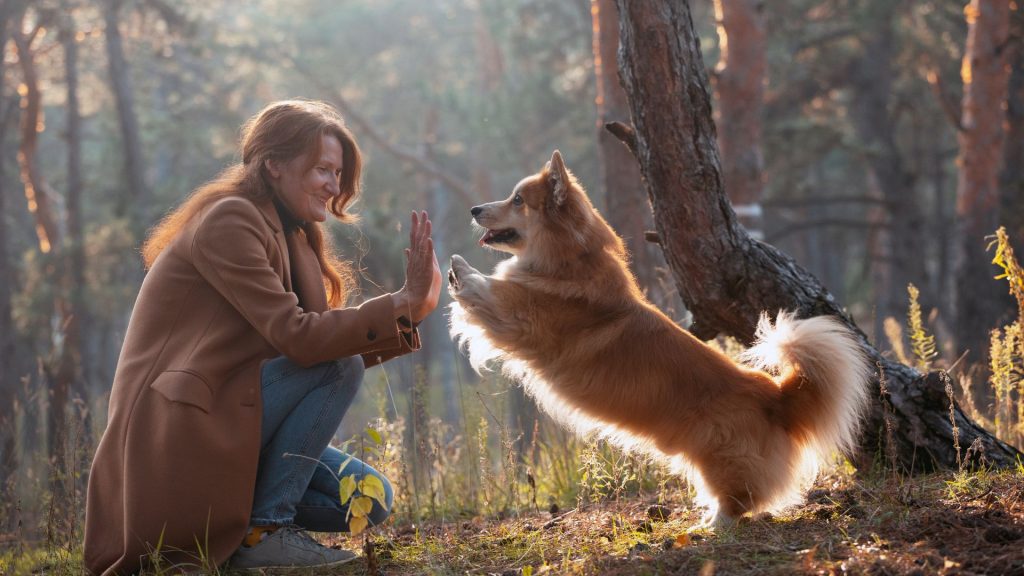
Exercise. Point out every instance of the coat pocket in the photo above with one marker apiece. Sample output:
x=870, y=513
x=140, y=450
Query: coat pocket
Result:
x=184, y=387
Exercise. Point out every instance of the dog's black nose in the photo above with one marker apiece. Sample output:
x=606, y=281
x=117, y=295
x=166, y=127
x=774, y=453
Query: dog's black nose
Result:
x=476, y=210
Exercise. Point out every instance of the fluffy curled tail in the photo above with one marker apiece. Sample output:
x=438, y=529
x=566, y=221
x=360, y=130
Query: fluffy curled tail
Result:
x=823, y=376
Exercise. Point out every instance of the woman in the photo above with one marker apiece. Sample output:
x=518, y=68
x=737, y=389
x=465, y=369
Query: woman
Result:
x=239, y=362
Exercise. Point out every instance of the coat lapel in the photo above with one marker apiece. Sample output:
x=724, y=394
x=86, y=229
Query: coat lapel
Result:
x=299, y=263
x=270, y=215
x=308, y=279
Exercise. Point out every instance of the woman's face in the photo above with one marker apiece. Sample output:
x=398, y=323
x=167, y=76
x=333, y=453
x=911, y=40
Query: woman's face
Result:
x=306, y=192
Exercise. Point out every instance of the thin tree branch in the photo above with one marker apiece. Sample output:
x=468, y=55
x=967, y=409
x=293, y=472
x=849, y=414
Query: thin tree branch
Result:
x=825, y=38
x=176, y=20
x=819, y=201
x=823, y=223
x=948, y=107
x=366, y=128
x=623, y=132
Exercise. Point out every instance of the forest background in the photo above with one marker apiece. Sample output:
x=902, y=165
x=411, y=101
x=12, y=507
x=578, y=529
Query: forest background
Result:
x=878, y=143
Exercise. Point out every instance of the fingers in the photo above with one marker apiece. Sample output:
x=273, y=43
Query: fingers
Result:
x=425, y=229
x=420, y=256
x=414, y=229
x=420, y=230
x=421, y=252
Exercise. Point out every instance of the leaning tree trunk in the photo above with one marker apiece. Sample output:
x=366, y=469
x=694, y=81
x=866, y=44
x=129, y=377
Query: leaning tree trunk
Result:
x=725, y=277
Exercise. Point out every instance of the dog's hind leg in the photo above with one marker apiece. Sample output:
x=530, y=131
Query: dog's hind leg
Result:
x=722, y=520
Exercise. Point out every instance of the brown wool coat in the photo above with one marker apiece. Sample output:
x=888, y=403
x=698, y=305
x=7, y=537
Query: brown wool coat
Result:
x=177, y=462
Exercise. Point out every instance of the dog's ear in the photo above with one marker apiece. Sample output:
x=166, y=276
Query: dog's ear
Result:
x=558, y=177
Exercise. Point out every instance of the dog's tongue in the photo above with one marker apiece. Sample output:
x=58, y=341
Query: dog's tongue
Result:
x=487, y=236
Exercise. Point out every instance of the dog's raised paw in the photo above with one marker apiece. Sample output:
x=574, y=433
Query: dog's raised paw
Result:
x=458, y=267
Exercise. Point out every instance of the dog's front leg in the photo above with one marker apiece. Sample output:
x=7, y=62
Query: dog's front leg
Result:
x=467, y=284
x=490, y=303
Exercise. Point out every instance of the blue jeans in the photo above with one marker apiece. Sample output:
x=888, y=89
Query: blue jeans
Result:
x=302, y=409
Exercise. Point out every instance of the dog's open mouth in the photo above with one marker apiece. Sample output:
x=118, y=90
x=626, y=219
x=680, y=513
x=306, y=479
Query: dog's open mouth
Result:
x=505, y=236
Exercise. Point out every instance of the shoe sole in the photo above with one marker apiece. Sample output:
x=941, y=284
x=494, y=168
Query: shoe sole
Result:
x=275, y=568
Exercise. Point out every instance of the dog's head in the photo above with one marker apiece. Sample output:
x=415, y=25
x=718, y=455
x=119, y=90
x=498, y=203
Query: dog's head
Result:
x=549, y=201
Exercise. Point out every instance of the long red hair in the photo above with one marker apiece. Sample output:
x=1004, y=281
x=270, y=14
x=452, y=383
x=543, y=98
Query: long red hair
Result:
x=280, y=132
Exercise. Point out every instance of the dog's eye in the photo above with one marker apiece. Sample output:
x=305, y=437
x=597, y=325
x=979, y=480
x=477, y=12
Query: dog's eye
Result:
x=517, y=199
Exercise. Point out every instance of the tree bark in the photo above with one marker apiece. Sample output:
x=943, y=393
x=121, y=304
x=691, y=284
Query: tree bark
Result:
x=37, y=191
x=739, y=81
x=38, y=195
x=72, y=363
x=725, y=277
x=620, y=174
x=1011, y=179
x=8, y=370
x=981, y=303
x=61, y=368
x=132, y=203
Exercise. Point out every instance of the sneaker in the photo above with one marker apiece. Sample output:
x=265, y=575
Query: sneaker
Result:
x=289, y=546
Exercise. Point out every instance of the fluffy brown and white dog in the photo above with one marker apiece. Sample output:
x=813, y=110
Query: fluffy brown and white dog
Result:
x=565, y=317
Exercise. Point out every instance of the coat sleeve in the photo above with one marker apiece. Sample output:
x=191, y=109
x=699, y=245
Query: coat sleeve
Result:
x=409, y=342
x=230, y=250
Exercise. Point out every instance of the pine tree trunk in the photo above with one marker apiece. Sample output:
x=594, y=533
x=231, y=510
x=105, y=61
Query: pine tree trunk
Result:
x=899, y=241
x=1011, y=179
x=38, y=196
x=727, y=278
x=132, y=203
x=981, y=303
x=8, y=369
x=72, y=359
x=619, y=171
x=37, y=191
x=739, y=82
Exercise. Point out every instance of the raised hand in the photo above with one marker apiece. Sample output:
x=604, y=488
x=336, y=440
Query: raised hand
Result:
x=422, y=273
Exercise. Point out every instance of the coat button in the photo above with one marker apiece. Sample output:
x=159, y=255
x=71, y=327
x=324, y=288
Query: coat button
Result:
x=371, y=335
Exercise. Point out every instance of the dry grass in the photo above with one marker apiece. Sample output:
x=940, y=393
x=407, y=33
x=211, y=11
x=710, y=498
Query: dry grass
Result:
x=970, y=523
x=938, y=524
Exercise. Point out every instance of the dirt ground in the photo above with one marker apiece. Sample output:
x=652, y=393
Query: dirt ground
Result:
x=936, y=524
x=971, y=523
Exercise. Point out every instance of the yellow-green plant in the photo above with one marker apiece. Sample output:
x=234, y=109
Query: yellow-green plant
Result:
x=921, y=343
x=894, y=333
x=484, y=460
x=1004, y=378
x=1007, y=347
x=1012, y=272
x=608, y=472
x=360, y=494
